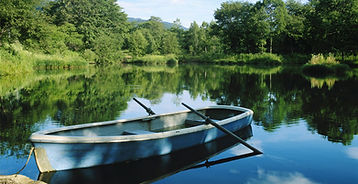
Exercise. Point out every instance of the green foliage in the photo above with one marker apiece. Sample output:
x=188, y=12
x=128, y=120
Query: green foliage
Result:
x=152, y=38
x=320, y=66
x=19, y=61
x=11, y=65
x=48, y=39
x=319, y=59
x=291, y=40
x=351, y=60
x=251, y=59
x=73, y=39
x=170, y=44
x=262, y=58
x=277, y=16
x=242, y=26
x=332, y=24
x=153, y=31
x=288, y=27
x=18, y=18
x=296, y=58
x=67, y=59
x=156, y=59
x=107, y=48
x=256, y=59
x=137, y=43
x=153, y=44
x=194, y=37
x=99, y=31
x=89, y=55
x=101, y=24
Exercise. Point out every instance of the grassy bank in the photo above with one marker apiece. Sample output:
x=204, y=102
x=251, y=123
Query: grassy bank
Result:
x=154, y=59
x=15, y=60
x=253, y=59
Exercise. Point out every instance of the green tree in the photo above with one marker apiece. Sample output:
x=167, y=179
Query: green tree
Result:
x=73, y=39
x=212, y=41
x=170, y=44
x=333, y=25
x=20, y=20
x=193, y=38
x=243, y=27
x=179, y=31
x=156, y=28
x=137, y=43
x=153, y=44
x=48, y=38
x=276, y=17
x=94, y=19
x=151, y=37
x=292, y=39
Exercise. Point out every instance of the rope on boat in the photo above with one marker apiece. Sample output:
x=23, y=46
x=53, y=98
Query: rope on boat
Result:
x=28, y=159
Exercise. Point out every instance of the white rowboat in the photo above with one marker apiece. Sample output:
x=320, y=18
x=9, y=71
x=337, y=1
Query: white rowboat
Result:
x=102, y=143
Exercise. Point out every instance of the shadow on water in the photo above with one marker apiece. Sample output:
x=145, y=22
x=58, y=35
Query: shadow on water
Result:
x=152, y=169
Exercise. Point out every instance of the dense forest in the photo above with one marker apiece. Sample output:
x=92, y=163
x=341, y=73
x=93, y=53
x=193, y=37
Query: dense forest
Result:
x=99, y=30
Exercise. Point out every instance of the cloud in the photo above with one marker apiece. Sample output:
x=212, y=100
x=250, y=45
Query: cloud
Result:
x=241, y=149
x=353, y=152
x=186, y=10
x=280, y=177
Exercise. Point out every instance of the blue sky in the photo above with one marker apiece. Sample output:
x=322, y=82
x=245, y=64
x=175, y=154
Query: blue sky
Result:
x=168, y=10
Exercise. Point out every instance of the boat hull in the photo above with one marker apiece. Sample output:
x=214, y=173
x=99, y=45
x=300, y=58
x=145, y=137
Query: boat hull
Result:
x=54, y=156
x=141, y=171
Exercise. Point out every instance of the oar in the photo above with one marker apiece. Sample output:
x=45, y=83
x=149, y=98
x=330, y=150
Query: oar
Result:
x=224, y=160
x=149, y=111
x=208, y=120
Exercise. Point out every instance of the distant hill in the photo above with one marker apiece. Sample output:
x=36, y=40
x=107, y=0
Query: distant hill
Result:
x=167, y=25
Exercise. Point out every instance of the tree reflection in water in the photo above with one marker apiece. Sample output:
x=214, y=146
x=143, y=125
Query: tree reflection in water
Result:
x=278, y=96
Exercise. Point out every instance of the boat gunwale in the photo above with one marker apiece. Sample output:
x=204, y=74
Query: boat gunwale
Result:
x=43, y=137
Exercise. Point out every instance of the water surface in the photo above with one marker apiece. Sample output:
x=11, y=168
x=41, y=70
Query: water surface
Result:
x=306, y=127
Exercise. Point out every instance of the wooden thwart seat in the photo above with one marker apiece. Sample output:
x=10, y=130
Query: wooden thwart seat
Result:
x=191, y=122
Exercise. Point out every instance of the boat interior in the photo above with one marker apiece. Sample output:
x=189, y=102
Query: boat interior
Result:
x=148, y=125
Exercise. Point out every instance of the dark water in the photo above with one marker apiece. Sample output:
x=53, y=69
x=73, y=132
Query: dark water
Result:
x=306, y=127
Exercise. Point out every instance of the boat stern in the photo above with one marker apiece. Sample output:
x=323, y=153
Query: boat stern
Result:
x=42, y=160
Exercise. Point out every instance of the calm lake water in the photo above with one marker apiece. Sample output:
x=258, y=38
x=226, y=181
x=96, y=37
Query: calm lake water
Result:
x=306, y=127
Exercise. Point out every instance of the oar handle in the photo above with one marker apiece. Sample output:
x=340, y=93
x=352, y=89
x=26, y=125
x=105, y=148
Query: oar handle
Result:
x=208, y=120
x=149, y=111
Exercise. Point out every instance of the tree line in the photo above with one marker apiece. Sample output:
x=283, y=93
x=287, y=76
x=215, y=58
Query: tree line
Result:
x=99, y=29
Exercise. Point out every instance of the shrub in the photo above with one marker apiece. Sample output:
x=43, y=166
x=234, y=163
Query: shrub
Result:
x=319, y=66
x=15, y=60
x=319, y=59
x=89, y=55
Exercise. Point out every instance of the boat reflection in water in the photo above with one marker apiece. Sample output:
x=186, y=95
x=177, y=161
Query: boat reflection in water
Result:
x=154, y=168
